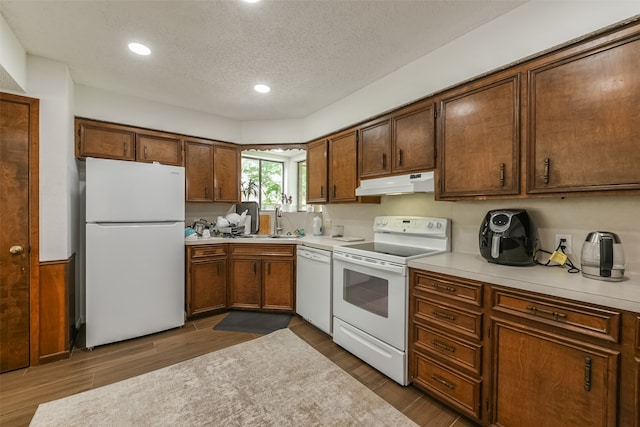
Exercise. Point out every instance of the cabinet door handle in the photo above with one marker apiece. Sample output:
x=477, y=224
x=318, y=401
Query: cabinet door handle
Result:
x=444, y=347
x=443, y=382
x=124, y=147
x=444, y=288
x=334, y=191
x=400, y=157
x=206, y=191
x=220, y=192
x=443, y=315
x=145, y=152
x=587, y=374
x=502, y=166
x=547, y=162
x=254, y=269
x=549, y=312
x=268, y=268
x=384, y=160
x=322, y=191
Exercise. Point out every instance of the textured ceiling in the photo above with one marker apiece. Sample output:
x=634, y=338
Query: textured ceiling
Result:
x=207, y=55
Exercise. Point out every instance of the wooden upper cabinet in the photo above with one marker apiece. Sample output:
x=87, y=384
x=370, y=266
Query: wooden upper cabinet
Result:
x=164, y=148
x=226, y=173
x=413, y=138
x=317, y=171
x=199, y=171
x=104, y=140
x=375, y=149
x=401, y=143
x=584, y=119
x=343, y=167
x=479, y=142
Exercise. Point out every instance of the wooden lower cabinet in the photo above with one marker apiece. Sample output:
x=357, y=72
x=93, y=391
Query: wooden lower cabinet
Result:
x=511, y=358
x=543, y=379
x=206, y=279
x=262, y=277
x=246, y=283
x=445, y=341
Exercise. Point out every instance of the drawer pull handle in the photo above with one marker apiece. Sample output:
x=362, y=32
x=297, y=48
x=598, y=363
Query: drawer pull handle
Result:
x=440, y=287
x=547, y=162
x=587, y=374
x=443, y=316
x=549, y=312
x=444, y=347
x=443, y=382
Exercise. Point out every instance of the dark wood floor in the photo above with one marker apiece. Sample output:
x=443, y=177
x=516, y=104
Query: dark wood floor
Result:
x=22, y=391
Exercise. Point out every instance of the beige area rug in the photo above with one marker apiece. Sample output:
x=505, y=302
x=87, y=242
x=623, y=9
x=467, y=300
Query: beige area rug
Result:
x=274, y=380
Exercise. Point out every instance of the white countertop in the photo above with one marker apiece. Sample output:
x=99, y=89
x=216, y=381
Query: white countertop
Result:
x=319, y=242
x=554, y=281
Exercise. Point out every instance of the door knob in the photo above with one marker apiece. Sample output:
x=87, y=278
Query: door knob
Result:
x=16, y=249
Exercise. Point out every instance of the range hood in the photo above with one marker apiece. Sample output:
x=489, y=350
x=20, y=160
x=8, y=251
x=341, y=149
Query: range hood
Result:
x=398, y=184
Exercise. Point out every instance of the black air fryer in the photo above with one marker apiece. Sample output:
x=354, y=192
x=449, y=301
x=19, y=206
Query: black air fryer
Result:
x=509, y=237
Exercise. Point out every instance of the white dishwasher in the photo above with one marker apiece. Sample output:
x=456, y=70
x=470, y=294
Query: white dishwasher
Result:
x=313, y=293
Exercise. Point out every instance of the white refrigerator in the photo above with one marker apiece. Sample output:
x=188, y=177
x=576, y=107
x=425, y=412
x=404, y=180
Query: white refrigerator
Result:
x=134, y=249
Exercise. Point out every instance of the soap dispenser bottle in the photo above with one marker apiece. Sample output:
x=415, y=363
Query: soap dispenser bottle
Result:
x=317, y=226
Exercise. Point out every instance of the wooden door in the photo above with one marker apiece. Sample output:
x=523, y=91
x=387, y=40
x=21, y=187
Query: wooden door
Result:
x=208, y=285
x=317, y=171
x=414, y=139
x=245, y=283
x=104, y=140
x=199, y=171
x=19, y=126
x=375, y=149
x=479, y=147
x=343, y=167
x=277, y=284
x=158, y=147
x=545, y=380
x=584, y=114
x=226, y=173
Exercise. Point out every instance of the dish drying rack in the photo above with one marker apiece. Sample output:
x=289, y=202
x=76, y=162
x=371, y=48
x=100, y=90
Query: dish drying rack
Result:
x=231, y=231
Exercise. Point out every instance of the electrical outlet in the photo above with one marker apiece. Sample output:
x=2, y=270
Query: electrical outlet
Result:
x=567, y=242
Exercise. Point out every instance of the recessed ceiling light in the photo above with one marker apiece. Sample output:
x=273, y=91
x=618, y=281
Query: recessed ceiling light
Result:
x=139, y=48
x=262, y=88
x=252, y=1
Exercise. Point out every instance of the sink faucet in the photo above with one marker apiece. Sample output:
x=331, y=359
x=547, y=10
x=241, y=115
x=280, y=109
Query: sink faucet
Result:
x=278, y=220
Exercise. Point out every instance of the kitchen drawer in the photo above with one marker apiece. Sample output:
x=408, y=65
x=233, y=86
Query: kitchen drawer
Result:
x=253, y=249
x=441, y=286
x=202, y=251
x=575, y=317
x=452, y=318
x=454, y=351
x=459, y=390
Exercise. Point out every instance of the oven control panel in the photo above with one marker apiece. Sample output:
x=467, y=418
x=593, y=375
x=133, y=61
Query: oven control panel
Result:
x=412, y=225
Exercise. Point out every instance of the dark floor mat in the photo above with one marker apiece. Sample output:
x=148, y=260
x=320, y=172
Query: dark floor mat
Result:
x=253, y=322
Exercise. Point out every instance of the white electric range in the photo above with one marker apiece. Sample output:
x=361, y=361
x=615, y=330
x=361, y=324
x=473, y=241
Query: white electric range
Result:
x=371, y=289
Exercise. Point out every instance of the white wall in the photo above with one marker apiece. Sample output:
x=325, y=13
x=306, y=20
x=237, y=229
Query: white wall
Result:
x=94, y=103
x=51, y=82
x=13, y=60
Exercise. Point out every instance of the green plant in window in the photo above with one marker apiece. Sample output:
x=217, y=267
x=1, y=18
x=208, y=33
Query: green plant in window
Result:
x=249, y=189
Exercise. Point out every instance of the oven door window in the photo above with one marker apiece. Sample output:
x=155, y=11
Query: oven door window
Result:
x=367, y=292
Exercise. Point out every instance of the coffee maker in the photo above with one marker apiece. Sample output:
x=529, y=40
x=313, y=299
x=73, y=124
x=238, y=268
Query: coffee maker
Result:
x=509, y=237
x=602, y=256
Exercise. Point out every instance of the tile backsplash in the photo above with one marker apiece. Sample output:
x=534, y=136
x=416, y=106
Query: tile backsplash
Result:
x=575, y=216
